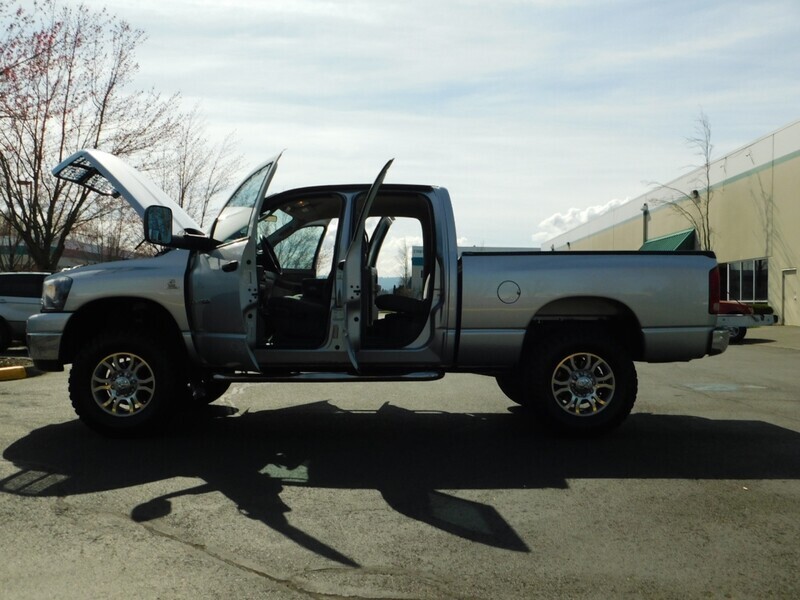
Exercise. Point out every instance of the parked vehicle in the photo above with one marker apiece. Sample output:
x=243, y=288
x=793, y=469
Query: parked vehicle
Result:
x=283, y=288
x=738, y=317
x=20, y=297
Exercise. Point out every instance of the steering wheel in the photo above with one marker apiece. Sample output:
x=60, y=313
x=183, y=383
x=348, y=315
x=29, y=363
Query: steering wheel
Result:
x=270, y=258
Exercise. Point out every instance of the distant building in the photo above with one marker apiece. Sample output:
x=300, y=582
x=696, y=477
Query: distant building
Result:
x=754, y=217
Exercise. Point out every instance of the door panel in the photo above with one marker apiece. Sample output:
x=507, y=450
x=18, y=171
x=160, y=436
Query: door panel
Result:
x=223, y=282
x=353, y=278
x=224, y=300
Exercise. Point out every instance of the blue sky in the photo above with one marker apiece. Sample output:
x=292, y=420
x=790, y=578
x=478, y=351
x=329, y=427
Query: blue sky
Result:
x=532, y=113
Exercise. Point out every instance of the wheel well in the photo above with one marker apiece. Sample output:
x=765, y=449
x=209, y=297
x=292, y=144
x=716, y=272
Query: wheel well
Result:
x=121, y=313
x=607, y=317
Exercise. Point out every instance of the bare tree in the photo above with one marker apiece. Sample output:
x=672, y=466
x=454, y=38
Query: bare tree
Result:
x=63, y=71
x=404, y=263
x=695, y=205
x=15, y=48
x=12, y=251
x=116, y=236
x=194, y=172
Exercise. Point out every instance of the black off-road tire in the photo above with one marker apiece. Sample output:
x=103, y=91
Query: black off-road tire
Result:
x=737, y=334
x=204, y=390
x=5, y=335
x=512, y=385
x=580, y=383
x=127, y=383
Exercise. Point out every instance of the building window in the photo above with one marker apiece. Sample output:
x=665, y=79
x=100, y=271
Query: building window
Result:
x=760, y=274
x=735, y=281
x=745, y=280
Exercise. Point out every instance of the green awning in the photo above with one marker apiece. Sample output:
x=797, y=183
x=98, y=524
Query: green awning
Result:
x=683, y=240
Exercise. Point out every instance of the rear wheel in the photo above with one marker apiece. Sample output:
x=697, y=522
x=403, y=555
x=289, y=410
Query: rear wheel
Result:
x=204, y=390
x=737, y=334
x=581, y=383
x=126, y=383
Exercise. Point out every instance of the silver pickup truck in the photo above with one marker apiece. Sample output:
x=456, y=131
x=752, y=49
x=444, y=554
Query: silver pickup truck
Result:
x=288, y=287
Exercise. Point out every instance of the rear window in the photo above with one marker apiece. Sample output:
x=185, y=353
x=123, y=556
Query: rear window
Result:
x=23, y=285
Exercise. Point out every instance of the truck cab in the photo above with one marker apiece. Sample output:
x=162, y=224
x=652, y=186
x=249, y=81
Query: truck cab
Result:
x=308, y=267
x=285, y=280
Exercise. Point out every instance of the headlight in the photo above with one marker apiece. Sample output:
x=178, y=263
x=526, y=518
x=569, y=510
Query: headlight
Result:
x=54, y=293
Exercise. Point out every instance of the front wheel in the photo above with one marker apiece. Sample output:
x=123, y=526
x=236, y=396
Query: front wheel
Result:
x=125, y=383
x=581, y=383
x=512, y=385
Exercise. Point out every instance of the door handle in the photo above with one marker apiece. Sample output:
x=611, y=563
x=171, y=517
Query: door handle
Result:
x=230, y=266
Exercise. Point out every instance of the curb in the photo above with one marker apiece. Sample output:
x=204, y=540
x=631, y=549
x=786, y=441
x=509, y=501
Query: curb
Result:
x=18, y=372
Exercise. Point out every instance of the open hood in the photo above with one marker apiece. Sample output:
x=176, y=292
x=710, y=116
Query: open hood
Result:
x=108, y=175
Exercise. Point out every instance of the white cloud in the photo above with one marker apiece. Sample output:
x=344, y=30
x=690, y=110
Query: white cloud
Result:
x=562, y=222
x=522, y=109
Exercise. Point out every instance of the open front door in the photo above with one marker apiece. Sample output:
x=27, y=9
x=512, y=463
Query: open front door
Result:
x=224, y=281
x=353, y=279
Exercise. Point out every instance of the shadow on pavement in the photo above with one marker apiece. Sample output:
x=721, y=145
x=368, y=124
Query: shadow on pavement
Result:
x=748, y=341
x=407, y=456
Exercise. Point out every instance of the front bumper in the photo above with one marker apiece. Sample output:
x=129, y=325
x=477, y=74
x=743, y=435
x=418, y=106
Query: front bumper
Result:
x=44, y=337
x=719, y=341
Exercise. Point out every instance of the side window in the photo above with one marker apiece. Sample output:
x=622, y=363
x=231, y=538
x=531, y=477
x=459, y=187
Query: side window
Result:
x=326, y=250
x=23, y=285
x=233, y=221
x=246, y=195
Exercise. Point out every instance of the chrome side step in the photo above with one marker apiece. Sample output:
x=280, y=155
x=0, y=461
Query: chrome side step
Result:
x=332, y=377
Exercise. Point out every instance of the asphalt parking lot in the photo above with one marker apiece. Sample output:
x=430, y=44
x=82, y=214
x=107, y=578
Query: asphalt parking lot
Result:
x=434, y=490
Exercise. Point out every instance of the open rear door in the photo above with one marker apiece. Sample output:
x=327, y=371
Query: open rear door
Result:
x=352, y=275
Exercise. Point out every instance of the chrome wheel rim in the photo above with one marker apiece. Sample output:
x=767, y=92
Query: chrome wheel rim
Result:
x=123, y=384
x=583, y=384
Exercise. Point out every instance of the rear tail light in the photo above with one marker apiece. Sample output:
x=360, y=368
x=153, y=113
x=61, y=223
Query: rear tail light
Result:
x=713, y=291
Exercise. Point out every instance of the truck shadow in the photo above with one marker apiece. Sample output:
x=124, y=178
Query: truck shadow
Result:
x=406, y=455
x=755, y=341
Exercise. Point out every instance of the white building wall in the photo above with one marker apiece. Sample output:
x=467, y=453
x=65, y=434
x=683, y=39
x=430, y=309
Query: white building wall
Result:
x=755, y=214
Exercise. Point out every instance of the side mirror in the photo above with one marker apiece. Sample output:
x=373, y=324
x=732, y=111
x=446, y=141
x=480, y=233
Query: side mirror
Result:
x=158, y=225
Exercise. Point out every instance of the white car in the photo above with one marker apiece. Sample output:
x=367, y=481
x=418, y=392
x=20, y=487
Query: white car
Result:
x=20, y=297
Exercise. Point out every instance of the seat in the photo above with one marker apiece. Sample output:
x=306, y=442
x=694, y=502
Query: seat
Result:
x=405, y=319
x=400, y=304
x=302, y=319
